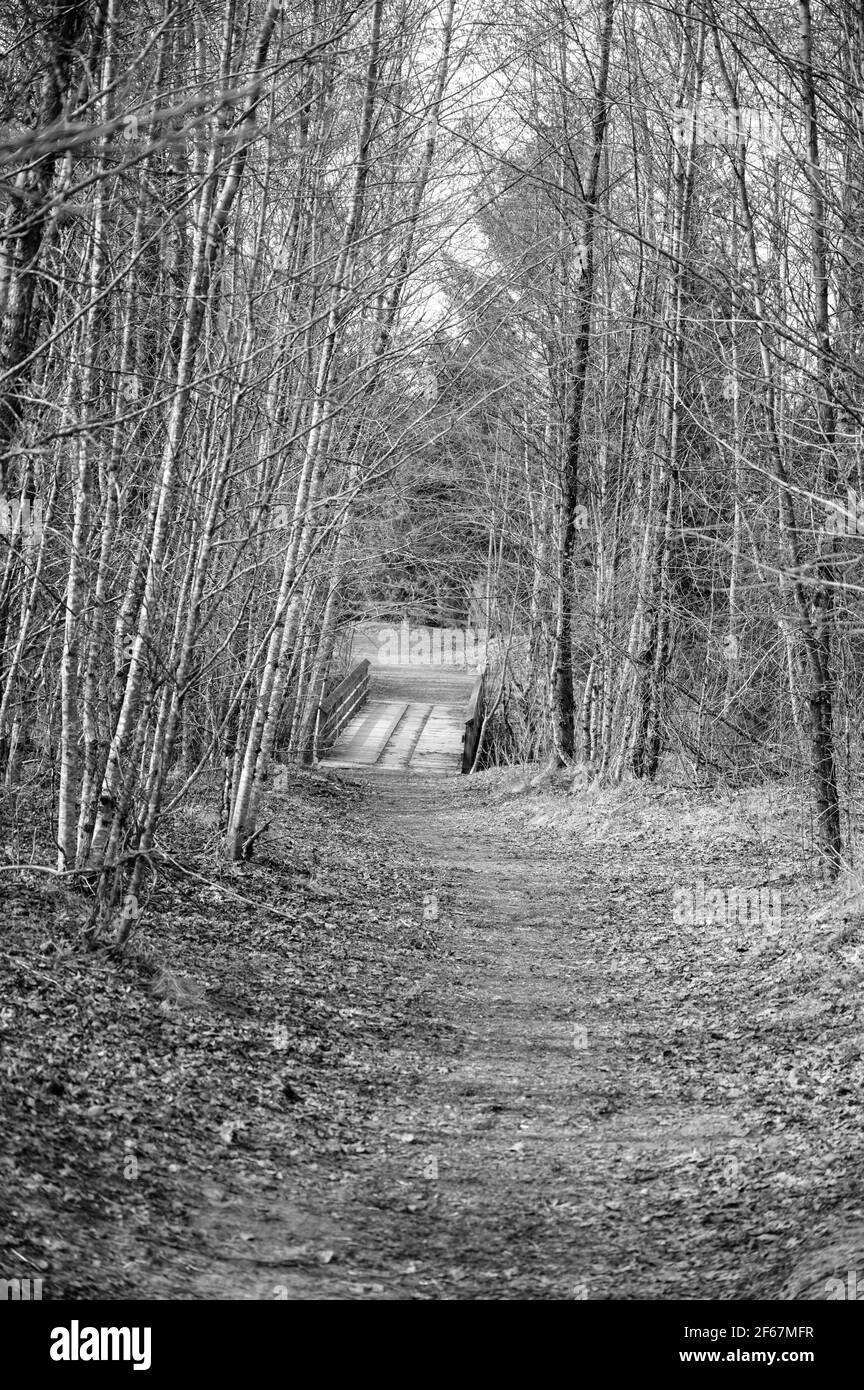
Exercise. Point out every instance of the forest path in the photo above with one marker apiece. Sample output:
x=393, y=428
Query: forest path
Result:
x=468, y=1054
x=587, y=1097
x=524, y=1161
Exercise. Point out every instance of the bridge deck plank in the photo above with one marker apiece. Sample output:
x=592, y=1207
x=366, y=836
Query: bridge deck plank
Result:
x=414, y=722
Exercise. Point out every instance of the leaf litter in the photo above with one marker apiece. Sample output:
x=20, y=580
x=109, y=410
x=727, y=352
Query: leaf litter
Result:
x=298, y=1085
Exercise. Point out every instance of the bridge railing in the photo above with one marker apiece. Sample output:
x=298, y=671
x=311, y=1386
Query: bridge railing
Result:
x=473, y=722
x=340, y=705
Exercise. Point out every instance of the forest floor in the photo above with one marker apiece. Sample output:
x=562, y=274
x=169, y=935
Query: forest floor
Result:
x=466, y=1053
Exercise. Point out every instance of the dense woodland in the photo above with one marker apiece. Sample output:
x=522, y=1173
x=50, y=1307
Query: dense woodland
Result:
x=544, y=316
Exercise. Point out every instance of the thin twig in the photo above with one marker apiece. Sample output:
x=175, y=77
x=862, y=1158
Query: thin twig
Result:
x=24, y=966
x=222, y=888
x=19, y=1256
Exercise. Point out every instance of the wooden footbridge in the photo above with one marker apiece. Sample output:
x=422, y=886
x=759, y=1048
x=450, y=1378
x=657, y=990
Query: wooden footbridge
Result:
x=421, y=719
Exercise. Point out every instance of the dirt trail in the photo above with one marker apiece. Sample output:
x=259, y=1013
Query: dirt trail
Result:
x=588, y=1106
